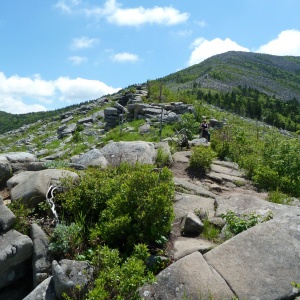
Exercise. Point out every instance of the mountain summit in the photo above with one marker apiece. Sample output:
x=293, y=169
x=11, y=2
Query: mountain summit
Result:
x=276, y=76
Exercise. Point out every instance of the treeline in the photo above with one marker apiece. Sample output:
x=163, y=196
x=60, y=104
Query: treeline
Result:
x=10, y=122
x=251, y=103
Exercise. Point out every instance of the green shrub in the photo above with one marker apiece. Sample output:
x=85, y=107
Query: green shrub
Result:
x=221, y=143
x=56, y=164
x=162, y=158
x=266, y=178
x=210, y=231
x=127, y=204
x=67, y=240
x=236, y=224
x=189, y=123
x=202, y=157
x=279, y=198
x=22, y=213
x=141, y=211
x=117, y=279
x=76, y=138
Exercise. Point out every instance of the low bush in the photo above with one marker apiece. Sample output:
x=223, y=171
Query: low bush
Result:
x=279, y=198
x=236, y=224
x=118, y=279
x=23, y=214
x=67, y=240
x=202, y=157
x=162, y=158
x=126, y=205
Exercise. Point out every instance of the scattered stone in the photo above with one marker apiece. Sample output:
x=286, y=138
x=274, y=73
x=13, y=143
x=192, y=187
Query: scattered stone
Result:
x=191, y=225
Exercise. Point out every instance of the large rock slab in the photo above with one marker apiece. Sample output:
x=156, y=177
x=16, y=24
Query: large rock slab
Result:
x=251, y=202
x=261, y=263
x=229, y=164
x=15, y=250
x=222, y=177
x=68, y=274
x=20, y=157
x=194, y=188
x=182, y=156
x=91, y=158
x=7, y=217
x=12, y=162
x=130, y=152
x=31, y=187
x=185, y=203
x=184, y=246
x=5, y=170
x=226, y=170
x=188, y=278
x=41, y=258
x=44, y=291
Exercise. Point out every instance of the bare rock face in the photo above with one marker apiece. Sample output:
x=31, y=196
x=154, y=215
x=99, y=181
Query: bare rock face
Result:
x=261, y=262
x=130, y=152
x=44, y=291
x=31, y=187
x=12, y=162
x=245, y=203
x=191, y=225
x=91, y=158
x=41, y=259
x=15, y=250
x=69, y=274
x=7, y=217
x=188, y=278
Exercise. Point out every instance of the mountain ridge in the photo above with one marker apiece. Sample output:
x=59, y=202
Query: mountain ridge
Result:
x=277, y=76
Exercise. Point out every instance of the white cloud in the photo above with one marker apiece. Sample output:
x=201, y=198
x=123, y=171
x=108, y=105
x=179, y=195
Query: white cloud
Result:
x=25, y=86
x=286, y=43
x=80, y=89
x=15, y=105
x=115, y=14
x=83, y=43
x=25, y=94
x=77, y=60
x=184, y=33
x=140, y=15
x=109, y=7
x=203, y=49
x=202, y=23
x=125, y=57
x=67, y=6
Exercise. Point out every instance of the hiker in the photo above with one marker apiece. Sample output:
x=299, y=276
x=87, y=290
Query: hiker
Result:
x=204, y=130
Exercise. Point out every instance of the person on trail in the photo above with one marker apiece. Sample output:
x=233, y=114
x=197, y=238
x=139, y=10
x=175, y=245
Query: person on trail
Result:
x=204, y=130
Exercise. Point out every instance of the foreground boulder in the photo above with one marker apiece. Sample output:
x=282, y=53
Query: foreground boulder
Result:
x=7, y=217
x=5, y=170
x=247, y=203
x=41, y=259
x=188, y=278
x=31, y=187
x=15, y=252
x=261, y=262
x=71, y=276
x=91, y=158
x=44, y=291
x=130, y=152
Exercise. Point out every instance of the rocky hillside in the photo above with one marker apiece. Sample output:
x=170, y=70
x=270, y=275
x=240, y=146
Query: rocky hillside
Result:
x=277, y=76
x=206, y=255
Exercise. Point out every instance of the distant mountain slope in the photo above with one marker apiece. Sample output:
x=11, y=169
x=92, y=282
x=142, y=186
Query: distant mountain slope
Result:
x=10, y=121
x=277, y=76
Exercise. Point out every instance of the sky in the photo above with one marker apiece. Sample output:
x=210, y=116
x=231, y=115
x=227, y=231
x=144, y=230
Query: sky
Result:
x=55, y=53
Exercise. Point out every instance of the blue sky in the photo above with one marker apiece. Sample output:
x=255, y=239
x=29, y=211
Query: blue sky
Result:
x=55, y=53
